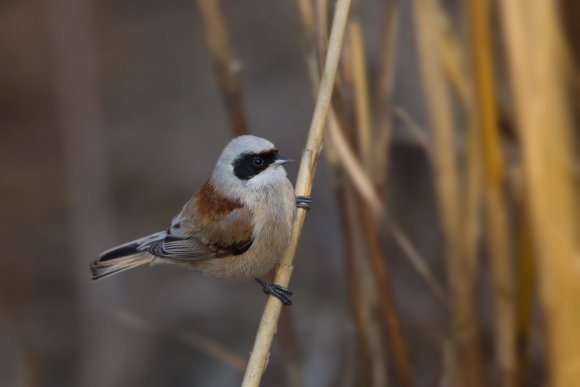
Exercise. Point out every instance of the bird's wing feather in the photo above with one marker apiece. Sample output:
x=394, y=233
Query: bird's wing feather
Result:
x=209, y=226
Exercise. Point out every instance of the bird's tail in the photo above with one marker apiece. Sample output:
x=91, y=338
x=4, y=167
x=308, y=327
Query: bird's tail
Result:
x=126, y=256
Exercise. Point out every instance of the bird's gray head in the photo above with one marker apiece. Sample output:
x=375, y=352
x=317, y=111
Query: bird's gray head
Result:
x=248, y=163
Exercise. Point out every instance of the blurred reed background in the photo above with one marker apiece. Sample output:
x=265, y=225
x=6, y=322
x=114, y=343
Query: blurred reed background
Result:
x=443, y=247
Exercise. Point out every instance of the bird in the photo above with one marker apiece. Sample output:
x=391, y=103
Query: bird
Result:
x=236, y=225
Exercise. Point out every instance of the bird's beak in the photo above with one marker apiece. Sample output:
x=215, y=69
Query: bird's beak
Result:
x=282, y=160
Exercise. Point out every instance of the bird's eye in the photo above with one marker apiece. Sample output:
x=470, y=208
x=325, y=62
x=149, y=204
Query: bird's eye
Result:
x=258, y=161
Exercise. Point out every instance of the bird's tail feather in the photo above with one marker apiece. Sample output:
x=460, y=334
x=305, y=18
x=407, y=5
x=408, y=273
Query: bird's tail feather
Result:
x=101, y=269
x=125, y=257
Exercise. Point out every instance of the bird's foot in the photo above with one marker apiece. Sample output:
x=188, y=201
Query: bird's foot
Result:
x=280, y=292
x=303, y=202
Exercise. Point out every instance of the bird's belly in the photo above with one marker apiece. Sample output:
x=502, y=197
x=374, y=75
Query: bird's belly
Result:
x=238, y=266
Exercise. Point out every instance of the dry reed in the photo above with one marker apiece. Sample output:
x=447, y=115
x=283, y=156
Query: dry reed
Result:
x=484, y=119
x=226, y=66
x=537, y=63
x=524, y=297
x=267, y=327
x=464, y=357
x=383, y=100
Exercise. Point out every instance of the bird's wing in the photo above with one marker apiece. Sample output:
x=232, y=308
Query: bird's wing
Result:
x=209, y=226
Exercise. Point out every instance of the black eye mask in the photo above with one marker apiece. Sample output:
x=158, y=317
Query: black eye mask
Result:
x=249, y=165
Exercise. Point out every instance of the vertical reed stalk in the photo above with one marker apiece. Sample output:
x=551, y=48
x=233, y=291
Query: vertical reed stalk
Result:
x=524, y=297
x=536, y=63
x=267, y=328
x=453, y=61
x=484, y=118
x=226, y=66
x=383, y=94
x=361, y=94
x=470, y=210
x=465, y=352
x=359, y=304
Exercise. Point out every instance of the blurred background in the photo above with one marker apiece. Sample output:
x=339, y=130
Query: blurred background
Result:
x=111, y=116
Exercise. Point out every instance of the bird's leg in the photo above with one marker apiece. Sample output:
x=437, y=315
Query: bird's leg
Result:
x=303, y=202
x=280, y=292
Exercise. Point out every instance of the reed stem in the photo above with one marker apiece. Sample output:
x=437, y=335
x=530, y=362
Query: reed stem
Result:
x=269, y=321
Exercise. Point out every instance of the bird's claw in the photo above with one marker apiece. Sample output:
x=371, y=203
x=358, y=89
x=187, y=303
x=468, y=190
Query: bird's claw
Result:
x=303, y=202
x=280, y=292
